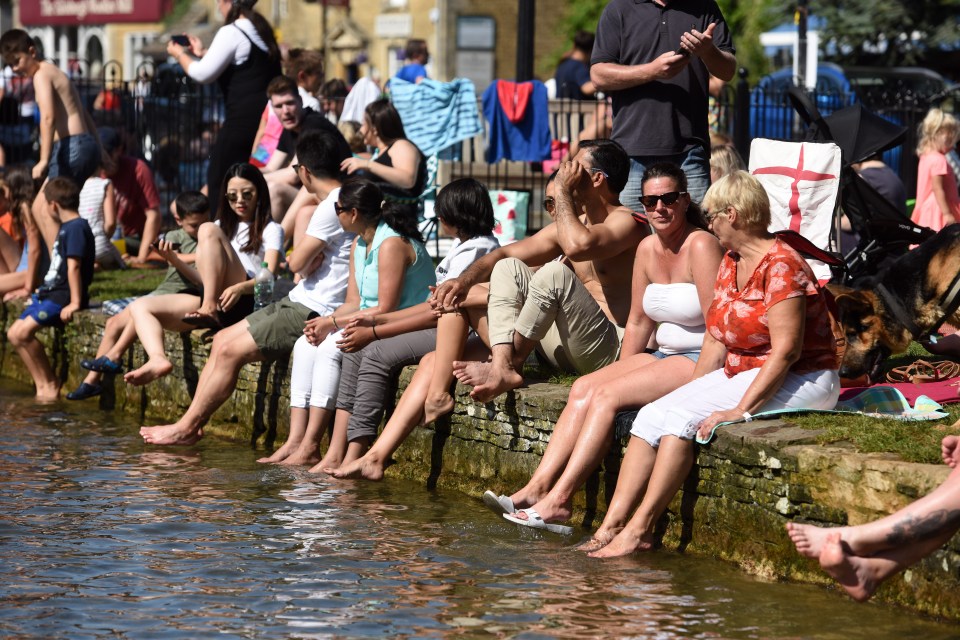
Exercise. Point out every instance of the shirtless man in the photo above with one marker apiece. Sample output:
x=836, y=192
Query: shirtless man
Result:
x=68, y=142
x=574, y=315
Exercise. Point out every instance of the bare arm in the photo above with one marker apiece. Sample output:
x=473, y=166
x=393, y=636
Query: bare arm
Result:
x=304, y=254
x=639, y=326
x=534, y=251
x=403, y=173
x=151, y=231
x=610, y=76
x=109, y=211
x=75, y=280
x=44, y=91
x=940, y=195
x=786, y=321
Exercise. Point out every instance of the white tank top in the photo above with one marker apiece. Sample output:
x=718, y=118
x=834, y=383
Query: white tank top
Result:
x=676, y=307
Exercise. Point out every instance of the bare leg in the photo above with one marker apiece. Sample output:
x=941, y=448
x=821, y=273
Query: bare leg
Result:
x=406, y=416
x=452, y=330
x=490, y=379
x=635, y=472
x=232, y=348
x=940, y=506
x=150, y=315
x=861, y=576
x=49, y=228
x=118, y=334
x=674, y=460
x=218, y=266
x=583, y=433
x=318, y=422
x=298, y=427
x=9, y=253
x=22, y=335
x=337, y=450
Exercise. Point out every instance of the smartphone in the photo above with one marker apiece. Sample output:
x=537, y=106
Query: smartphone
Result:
x=181, y=40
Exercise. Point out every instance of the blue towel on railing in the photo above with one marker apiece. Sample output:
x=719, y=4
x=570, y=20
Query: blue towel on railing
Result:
x=528, y=139
x=436, y=114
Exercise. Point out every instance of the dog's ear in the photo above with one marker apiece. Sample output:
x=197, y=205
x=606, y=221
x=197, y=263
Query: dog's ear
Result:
x=853, y=303
x=839, y=289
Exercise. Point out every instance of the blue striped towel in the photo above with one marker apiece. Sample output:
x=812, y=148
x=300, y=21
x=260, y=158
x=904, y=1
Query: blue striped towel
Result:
x=436, y=114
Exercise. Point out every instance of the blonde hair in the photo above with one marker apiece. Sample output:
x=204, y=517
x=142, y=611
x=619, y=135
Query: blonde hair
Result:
x=725, y=159
x=351, y=132
x=938, y=130
x=744, y=193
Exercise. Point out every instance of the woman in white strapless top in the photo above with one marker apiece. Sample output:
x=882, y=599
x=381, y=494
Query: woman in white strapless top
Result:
x=673, y=278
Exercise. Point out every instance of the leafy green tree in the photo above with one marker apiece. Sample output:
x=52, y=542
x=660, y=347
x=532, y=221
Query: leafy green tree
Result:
x=887, y=32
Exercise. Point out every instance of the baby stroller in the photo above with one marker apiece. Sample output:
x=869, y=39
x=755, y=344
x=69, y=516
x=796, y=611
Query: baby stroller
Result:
x=884, y=232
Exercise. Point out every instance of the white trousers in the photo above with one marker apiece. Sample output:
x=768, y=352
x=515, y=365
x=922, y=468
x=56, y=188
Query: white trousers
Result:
x=315, y=373
x=680, y=412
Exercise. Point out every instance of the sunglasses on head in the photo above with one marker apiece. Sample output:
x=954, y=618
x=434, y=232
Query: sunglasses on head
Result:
x=667, y=198
x=246, y=196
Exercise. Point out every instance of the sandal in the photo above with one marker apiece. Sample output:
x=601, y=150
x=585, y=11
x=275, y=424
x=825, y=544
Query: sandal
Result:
x=922, y=371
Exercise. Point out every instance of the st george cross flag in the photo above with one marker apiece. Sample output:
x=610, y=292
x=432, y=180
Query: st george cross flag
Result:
x=802, y=180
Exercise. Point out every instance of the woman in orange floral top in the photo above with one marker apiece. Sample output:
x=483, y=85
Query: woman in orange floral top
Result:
x=769, y=345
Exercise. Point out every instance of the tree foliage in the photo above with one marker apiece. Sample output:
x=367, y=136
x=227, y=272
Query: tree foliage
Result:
x=887, y=32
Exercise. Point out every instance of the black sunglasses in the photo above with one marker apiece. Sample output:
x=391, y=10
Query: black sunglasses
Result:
x=339, y=208
x=668, y=199
x=246, y=196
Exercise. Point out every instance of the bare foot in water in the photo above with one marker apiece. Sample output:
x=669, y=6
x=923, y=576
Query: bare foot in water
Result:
x=853, y=573
x=488, y=381
x=624, y=543
x=47, y=393
x=809, y=539
x=600, y=539
x=282, y=453
x=436, y=406
x=329, y=461
x=367, y=468
x=176, y=434
x=302, y=457
x=151, y=370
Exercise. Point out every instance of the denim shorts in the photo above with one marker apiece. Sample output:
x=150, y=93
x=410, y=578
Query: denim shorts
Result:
x=692, y=355
x=76, y=157
x=45, y=312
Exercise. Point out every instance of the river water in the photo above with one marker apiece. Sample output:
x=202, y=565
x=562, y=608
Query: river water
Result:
x=101, y=537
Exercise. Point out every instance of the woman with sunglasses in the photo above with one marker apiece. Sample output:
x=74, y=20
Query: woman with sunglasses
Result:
x=231, y=250
x=427, y=396
x=390, y=270
x=770, y=344
x=673, y=277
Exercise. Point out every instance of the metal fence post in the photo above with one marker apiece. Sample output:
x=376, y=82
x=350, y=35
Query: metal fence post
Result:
x=741, y=122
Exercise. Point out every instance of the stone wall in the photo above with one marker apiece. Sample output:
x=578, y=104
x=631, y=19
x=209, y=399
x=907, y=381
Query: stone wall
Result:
x=746, y=485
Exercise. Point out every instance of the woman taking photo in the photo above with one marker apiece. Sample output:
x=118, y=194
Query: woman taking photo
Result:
x=769, y=345
x=390, y=270
x=397, y=164
x=243, y=58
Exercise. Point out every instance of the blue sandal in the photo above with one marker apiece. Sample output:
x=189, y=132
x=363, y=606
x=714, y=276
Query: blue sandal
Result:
x=103, y=364
x=85, y=391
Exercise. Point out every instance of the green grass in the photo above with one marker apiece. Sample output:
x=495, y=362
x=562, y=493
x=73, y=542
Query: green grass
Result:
x=110, y=285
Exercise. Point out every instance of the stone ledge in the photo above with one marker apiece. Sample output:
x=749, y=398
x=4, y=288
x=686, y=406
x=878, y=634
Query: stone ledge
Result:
x=746, y=485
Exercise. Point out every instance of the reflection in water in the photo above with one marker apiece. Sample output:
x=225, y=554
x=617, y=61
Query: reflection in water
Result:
x=101, y=536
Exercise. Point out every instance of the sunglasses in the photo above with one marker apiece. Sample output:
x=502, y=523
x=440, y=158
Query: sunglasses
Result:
x=339, y=208
x=549, y=204
x=668, y=199
x=710, y=216
x=246, y=196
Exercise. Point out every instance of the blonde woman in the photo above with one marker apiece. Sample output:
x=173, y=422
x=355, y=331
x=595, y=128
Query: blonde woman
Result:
x=938, y=203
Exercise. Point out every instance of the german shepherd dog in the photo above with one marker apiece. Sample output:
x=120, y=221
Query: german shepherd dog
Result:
x=906, y=300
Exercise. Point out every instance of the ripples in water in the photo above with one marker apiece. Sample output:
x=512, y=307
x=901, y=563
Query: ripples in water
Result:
x=102, y=537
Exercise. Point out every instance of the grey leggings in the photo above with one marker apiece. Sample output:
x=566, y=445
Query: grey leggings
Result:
x=367, y=377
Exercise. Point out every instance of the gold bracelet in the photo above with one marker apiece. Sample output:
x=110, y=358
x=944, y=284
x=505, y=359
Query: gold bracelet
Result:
x=374, y=329
x=333, y=319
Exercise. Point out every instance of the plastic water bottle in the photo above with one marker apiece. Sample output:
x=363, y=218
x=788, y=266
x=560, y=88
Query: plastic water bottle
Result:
x=263, y=287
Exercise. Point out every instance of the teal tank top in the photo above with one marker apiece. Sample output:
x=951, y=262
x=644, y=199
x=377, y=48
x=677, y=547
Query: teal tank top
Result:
x=366, y=268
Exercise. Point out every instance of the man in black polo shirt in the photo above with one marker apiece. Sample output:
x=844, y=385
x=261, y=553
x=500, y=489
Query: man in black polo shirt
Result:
x=654, y=58
x=287, y=105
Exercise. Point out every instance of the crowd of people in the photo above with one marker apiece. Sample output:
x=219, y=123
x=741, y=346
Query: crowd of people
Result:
x=657, y=281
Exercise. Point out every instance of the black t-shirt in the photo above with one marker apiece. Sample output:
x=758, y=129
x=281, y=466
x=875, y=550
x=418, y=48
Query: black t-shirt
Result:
x=74, y=240
x=311, y=120
x=888, y=184
x=663, y=117
x=570, y=76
